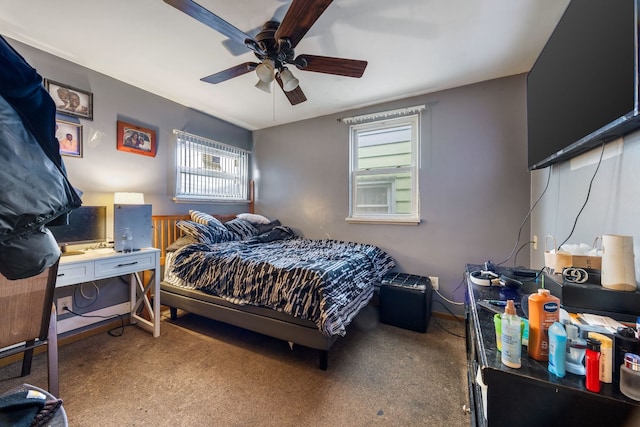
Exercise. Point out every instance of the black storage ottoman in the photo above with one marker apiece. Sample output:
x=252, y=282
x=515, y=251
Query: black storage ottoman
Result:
x=405, y=301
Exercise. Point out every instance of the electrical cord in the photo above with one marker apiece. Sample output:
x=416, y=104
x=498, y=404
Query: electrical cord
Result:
x=80, y=289
x=110, y=331
x=515, y=257
x=447, y=299
x=586, y=200
x=515, y=245
x=435, y=319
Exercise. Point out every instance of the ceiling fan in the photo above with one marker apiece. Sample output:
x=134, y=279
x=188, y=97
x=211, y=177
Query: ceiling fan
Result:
x=274, y=47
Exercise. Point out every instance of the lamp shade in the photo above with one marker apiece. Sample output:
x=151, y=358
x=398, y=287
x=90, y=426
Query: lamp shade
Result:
x=264, y=86
x=124, y=198
x=265, y=71
x=289, y=82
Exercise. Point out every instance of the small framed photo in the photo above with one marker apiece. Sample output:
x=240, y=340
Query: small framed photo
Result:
x=69, y=137
x=136, y=139
x=70, y=100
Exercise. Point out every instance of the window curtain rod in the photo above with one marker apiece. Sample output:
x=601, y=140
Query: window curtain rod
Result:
x=383, y=114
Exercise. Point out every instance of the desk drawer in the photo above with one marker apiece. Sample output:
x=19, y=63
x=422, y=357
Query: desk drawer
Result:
x=124, y=265
x=74, y=273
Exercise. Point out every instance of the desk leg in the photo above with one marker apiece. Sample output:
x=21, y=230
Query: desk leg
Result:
x=140, y=296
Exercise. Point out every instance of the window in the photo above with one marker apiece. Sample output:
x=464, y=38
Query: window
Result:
x=384, y=171
x=207, y=170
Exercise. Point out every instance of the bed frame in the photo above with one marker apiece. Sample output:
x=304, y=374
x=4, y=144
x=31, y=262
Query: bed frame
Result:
x=257, y=319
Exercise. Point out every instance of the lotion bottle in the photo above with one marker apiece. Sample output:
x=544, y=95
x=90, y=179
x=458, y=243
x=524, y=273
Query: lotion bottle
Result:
x=544, y=309
x=511, y=336
x=557, y=349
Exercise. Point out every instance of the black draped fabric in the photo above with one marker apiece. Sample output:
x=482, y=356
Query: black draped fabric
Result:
x=34, y=189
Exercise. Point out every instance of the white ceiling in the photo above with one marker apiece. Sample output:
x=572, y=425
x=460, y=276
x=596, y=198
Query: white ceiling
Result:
x=413, y=47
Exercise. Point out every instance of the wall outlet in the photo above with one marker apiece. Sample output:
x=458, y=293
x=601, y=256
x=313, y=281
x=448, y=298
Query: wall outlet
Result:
x=64, y=303
x=434, y=282
x=535, y=242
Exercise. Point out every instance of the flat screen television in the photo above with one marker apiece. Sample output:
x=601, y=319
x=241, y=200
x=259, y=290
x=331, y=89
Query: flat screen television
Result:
x=86, y=224
x=582, y=90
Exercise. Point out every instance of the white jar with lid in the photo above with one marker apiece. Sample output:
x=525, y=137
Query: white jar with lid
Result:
x=630, y=376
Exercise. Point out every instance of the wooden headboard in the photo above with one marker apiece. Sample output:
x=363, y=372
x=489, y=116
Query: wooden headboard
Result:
x=166, y=232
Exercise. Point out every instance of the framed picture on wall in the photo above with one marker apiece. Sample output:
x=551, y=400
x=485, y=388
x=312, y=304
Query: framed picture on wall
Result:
x=136, y=139
x=69, y=137
x=70, y=100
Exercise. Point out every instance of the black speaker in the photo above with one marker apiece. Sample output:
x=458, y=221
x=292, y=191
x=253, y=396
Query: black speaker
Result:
x=405, y=301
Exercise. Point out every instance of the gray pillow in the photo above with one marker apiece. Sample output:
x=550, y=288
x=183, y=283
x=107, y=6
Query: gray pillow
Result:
x=181, y=241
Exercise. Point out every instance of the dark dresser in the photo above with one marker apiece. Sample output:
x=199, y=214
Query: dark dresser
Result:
x=529, y=396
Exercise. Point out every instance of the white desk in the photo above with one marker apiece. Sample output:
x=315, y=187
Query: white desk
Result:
x=105, y=263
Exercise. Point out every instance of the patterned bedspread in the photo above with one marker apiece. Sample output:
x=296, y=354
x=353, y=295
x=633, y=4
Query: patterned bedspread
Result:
x=325, y=281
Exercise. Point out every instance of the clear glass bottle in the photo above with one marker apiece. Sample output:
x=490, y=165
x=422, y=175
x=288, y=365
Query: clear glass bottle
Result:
x=630, y=376
x=127, y=240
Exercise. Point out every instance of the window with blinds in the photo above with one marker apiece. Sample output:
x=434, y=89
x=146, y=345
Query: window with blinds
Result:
x=207, y=170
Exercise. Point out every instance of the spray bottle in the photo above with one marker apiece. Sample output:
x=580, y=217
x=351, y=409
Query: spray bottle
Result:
x=511, y=336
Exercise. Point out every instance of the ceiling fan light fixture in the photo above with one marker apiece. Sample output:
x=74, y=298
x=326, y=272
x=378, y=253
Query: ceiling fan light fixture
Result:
x=265, y=71
x=264, y=86
x=289, y=82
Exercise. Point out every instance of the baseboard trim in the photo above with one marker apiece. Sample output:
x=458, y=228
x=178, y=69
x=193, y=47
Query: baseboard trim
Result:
x=72, y=337
x=447, y=316
x=77, y=322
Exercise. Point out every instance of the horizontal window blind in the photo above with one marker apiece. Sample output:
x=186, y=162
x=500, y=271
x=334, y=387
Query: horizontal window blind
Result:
x=210, y=170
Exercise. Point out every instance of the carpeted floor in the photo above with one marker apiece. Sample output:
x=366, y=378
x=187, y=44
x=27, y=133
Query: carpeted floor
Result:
x=204, y=373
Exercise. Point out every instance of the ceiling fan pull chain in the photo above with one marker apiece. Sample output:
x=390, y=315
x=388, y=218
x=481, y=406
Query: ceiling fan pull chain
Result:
x=274, y=104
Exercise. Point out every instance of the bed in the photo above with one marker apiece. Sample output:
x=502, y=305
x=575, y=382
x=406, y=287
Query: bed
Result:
x=272, y=282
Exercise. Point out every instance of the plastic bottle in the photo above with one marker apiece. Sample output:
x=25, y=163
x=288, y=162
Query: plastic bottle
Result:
x=606, y=356
x=576, y=347
x=592, y=365
x=127, y=240
x=511, y=336
x=557, y=349
x=544, y=309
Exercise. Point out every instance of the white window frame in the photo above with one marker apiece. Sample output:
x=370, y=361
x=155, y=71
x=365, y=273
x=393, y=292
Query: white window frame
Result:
x=413, y=169
x=209, y=171
x=389, y=186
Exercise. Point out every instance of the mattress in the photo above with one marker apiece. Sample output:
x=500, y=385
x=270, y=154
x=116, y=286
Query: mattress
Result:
x=326, y=282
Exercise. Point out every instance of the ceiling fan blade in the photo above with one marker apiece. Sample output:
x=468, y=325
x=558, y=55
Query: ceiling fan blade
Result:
x=295, y=96
x=208, y=18
x=330, y=65
x=230, y=73
x=302, y=14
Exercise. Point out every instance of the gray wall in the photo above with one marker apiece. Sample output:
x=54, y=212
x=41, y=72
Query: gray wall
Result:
x=613, y=206
x=103, y=170
x=474, y=183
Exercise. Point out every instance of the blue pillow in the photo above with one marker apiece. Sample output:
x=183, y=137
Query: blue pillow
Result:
x=241, y=228
x=206, y=233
